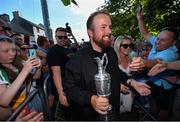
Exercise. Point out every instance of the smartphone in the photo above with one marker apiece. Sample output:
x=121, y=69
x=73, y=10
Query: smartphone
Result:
x=32, y=53
x=139, y=8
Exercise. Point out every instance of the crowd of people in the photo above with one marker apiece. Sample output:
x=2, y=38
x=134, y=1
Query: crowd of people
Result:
x=149, y=71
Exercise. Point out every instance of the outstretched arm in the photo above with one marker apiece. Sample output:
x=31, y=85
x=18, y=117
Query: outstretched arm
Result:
x=139, y=64
x=161, y=66
x=142, y=88
x=143, y=29
x=174, y=65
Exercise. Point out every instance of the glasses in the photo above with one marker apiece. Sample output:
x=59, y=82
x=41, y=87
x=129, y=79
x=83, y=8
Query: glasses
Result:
x=60, y=37
x=125, y=46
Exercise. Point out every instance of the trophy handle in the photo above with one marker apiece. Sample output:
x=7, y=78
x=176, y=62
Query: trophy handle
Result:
x=105, y=58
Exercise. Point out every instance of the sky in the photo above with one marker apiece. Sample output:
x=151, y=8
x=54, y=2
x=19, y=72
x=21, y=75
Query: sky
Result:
x=58, y=13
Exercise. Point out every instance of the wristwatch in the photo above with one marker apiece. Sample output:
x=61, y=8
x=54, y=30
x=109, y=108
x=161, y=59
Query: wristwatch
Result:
x=129, y=81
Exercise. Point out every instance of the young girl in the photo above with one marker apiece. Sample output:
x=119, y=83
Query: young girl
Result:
x=8, y=89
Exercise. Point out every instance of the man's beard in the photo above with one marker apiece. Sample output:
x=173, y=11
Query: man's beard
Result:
x=103, y=44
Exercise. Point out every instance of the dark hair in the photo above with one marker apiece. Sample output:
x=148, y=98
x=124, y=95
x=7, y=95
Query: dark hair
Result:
x=61, y=29
x=91, y=18
x=17, y=41
x=4, y=38
x=173, y=30
x=41, y=40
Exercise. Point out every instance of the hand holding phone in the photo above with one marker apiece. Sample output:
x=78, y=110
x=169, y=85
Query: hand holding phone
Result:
x=139, y=9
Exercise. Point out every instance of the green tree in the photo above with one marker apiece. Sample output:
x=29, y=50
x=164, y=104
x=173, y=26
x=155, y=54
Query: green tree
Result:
x=157, y=14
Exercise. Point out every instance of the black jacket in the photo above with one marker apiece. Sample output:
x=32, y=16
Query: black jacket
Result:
x=79, y=83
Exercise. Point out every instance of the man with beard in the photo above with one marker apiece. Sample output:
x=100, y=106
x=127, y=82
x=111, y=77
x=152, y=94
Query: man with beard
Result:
x=79, y=84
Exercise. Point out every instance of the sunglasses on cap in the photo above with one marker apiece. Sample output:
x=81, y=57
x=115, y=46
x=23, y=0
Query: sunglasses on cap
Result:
x=125, y=46
x=60, y=37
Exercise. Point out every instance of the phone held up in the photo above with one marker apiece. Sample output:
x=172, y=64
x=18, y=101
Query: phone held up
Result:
x=32, y=53
x=32, y=50
x=139, y=9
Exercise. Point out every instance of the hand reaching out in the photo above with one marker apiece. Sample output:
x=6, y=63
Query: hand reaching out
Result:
x=161, y=66
x=137, y=64
x=139, y=15
x=142, y=88
x=124, y=89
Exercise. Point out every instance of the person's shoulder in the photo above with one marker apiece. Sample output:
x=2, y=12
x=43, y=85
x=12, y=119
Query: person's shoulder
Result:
x=83, y=50
x=55, y=48
x=78, y=56
x=110, y=51
x=80, y=53
x=168, y=55
x=169, y=51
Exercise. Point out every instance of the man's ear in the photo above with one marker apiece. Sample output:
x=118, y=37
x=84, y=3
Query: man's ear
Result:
x=90, y=33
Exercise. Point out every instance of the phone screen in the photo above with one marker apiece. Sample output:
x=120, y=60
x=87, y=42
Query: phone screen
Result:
x=32, y=53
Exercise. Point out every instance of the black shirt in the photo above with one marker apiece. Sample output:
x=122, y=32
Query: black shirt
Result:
x=58, y=56
x=79, y=84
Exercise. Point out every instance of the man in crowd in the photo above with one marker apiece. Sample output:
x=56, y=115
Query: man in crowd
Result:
x=79, y=84
x=163, y=48
x=58, y=55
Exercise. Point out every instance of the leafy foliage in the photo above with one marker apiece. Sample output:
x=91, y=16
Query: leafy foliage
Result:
x=68, y=2
x=157, y=14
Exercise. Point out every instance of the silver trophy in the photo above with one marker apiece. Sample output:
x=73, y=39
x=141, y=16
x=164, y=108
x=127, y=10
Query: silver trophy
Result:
x=103, y=84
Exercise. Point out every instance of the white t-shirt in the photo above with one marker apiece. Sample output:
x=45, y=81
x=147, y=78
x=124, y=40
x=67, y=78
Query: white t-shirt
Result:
x=127, y=70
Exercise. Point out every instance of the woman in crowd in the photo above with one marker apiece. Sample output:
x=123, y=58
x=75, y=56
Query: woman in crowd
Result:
x=123, y=46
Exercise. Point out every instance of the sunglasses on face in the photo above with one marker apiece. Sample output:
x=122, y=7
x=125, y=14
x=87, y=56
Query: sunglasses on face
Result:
x=125, y=46
x=60, y=37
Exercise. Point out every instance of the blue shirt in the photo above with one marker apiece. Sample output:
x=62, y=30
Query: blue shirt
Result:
x=168, y=55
